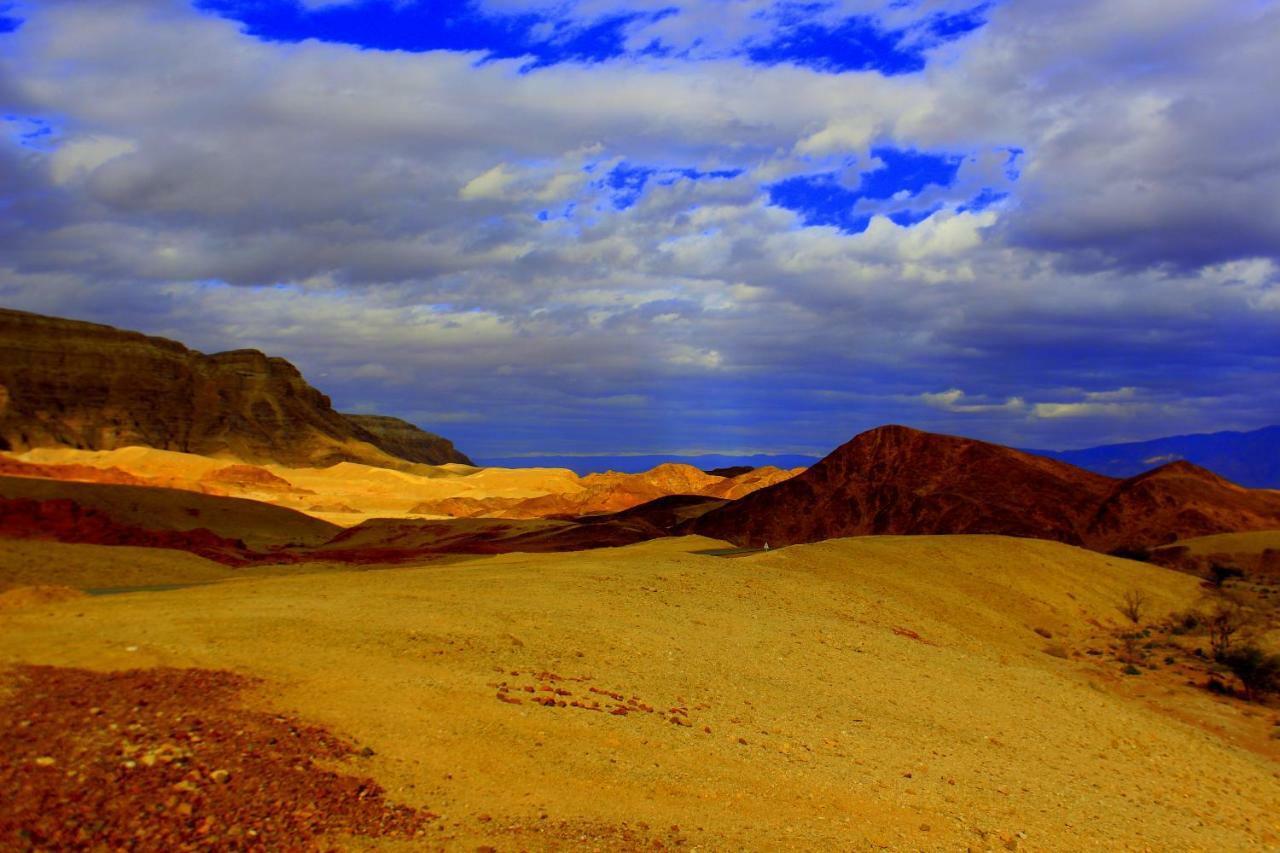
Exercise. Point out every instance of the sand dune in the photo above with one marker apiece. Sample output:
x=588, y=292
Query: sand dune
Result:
x=876, y=693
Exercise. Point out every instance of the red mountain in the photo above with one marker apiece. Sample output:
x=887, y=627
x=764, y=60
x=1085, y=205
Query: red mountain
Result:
x=896, y=480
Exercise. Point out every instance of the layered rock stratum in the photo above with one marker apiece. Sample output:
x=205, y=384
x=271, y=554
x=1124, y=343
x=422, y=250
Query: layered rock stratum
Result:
x=66, y=383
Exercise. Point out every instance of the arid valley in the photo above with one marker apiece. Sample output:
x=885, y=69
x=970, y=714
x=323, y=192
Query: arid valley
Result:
x=487, y=426
x=947, y=644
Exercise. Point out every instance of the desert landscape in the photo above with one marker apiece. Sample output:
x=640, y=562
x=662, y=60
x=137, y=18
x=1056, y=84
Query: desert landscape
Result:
x=946, y=644
x=609, y=425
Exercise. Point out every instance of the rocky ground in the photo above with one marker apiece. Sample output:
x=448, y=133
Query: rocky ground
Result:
x=880, y=693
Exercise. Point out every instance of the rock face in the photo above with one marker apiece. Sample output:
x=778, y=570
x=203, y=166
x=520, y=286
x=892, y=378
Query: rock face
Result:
x=896, y=480
x=83, y=385
x=405, y=441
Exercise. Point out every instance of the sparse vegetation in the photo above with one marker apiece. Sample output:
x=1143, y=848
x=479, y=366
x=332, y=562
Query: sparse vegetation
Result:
x=1225, y=619
x=1129, y=641
x=1133, y=604
x=1219, y=574
x=1258, y=671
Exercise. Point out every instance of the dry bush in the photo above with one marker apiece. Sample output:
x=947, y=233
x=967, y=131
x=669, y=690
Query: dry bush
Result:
x=1132, y=605
x=1227, y=618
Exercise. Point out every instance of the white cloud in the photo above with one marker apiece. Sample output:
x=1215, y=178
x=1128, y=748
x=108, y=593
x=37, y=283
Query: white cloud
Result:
x=952, y=400
x=397, y=195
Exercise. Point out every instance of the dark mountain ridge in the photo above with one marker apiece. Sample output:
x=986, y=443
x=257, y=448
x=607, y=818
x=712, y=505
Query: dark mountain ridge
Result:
x=897, y=480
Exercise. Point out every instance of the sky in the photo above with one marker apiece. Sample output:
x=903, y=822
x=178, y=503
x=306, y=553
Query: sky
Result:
x=627, y=226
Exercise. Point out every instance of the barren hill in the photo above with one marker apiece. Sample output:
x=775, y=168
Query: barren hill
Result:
x=898, y=480
x=66, y=383
x=101, y=513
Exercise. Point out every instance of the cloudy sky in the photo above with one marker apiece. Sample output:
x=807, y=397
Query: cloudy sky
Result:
x=640, y=226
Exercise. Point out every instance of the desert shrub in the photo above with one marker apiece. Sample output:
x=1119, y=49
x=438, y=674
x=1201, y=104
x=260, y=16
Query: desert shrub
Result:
x=1169, y=660
x=1142, y=555
x=1220, y=574
x=1185, y=622
x=1258, y=671
x=1132, y=604
x=1225, y=619
x=1129, y=641
x=1216, y=686
x=1130, y=669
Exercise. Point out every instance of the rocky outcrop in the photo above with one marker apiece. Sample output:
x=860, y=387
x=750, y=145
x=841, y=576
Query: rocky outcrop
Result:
x=83, y=385
x=896, y=480
x=611, y=492
x=406, y=441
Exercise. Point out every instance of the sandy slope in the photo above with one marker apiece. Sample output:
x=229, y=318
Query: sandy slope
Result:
x=1255, y=541
x=886, y=692
x=348, y=493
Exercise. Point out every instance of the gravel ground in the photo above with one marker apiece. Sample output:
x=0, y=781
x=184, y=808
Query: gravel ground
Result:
x=163, y=759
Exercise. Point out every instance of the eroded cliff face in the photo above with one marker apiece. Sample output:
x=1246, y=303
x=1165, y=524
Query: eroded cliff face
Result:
x=83, y=385
x=406, y=441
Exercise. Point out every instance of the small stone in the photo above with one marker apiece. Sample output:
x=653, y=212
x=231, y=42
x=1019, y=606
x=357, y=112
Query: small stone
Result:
x=367, y=753
x=45, y=761
x=220, y=776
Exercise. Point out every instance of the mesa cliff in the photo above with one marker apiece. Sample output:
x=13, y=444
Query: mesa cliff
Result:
x=66, y=383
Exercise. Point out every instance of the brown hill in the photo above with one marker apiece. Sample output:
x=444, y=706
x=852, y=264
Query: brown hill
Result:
x=393, y=540
x=1179, y=501
x=64, y=520
x=66, y=383
x=147, y=508
x=896, y=480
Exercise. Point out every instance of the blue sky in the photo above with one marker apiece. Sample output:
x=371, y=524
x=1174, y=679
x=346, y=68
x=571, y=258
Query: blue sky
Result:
x=596, y=226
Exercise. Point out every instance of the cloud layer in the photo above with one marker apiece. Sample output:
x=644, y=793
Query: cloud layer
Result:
x=1044, y=225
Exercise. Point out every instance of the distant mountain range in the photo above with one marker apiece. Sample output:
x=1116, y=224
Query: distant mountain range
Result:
x=1248, y=458
x=711, y=462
